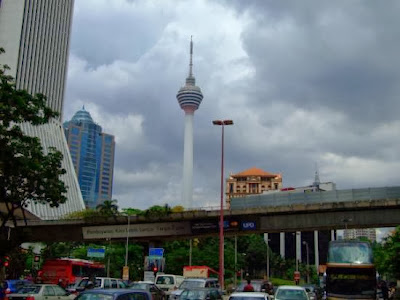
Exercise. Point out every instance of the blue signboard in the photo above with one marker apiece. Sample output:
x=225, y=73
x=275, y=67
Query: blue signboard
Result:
x=248, y=225
x=156, y=252
x=96, y=252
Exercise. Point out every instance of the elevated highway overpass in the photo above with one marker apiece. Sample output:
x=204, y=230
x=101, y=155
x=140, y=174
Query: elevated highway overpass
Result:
x=362, y=208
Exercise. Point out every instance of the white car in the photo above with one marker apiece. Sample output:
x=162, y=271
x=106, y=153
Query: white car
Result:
x=190, y=283
x=41, y=292
x=249, y=296
x=292, y=292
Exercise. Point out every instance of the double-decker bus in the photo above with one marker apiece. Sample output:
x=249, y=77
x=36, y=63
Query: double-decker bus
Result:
x=66, y=271
x=350, y=271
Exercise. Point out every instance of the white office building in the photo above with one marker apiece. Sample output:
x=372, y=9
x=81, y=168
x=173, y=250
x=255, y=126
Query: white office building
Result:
x=35, y=35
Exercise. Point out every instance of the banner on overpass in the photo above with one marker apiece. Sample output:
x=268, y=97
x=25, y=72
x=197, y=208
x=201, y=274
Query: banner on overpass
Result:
x=136, y=230
x=229, y=225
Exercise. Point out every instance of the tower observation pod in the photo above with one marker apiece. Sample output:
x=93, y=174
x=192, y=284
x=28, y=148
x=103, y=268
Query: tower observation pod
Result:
x=189, y=98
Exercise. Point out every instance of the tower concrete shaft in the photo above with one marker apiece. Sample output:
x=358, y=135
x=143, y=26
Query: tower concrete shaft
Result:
x=189, y=98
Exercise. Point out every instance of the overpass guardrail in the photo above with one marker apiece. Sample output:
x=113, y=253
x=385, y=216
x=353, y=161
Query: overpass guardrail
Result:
x=290, y=198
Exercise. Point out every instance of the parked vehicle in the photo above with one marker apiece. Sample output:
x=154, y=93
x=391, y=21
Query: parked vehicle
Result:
x=291, y=292
x=41, y=292
x=249, y=296
x=201, y=294
x=191, y=283
x=156, y=292
x=12, y=286
x=114, y=294
x=168, y=282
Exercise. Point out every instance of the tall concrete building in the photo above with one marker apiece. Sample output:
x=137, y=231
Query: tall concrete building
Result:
x=92, y=153
x=369, y=233
x=35, y=35
x=189, y=98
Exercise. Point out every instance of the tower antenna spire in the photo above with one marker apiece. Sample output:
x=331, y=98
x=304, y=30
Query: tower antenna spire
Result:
x=191, y=57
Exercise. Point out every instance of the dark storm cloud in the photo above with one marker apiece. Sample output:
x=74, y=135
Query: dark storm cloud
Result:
x=307, y=83
x=339, y=55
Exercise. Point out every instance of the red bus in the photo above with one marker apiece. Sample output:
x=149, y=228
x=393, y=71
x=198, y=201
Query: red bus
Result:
x=66, y=271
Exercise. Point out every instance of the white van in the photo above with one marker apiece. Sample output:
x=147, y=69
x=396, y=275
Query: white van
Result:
x=168, y=282
x=99, y=282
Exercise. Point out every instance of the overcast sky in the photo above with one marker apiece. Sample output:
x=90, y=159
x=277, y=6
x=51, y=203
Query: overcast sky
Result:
x=307, y=83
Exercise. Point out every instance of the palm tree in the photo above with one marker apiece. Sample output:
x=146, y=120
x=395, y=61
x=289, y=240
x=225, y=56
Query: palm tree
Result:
x=108, y=208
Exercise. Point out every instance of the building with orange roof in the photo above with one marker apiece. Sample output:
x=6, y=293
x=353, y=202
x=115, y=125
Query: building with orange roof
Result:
x=250, y=182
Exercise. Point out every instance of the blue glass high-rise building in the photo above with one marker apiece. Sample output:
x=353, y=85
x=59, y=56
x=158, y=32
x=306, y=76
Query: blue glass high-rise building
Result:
x=92, y=153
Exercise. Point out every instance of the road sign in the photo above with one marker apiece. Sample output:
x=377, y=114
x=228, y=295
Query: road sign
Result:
x=156, y=252
x=96, y=252
x=296, y=275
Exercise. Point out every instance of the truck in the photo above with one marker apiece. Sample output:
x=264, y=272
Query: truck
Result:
x=198, y=272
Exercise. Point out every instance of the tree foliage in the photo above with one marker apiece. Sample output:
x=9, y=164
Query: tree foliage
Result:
x=27, y=173
x=108, y=208
x=387, y=255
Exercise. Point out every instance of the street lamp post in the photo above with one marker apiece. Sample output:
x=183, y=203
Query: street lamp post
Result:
x=308, y=262
x=127, y=241
x=222, y=123
x=267, y=240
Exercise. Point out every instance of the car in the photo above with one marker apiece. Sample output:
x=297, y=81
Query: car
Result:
x=99, y=282
x=12, y=286
x=114, y=294
x=191, y=283
x=41, y=292
x=249, y=296
x=314, y=292
x=292, y=292
x=168, y=282
x=201, y=294
x=156, y=292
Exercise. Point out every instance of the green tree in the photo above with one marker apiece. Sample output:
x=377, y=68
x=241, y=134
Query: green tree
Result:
x=387, y=255
x=108, y=208
x=27, y=174
x=158, y=211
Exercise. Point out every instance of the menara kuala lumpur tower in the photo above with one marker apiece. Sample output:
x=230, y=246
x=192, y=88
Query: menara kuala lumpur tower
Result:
x=189, y=98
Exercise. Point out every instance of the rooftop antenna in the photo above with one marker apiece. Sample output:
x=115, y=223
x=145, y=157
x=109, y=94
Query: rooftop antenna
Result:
x=316, y=182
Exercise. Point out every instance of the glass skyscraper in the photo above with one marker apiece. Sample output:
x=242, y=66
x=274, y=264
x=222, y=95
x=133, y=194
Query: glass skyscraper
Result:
x=92, y=153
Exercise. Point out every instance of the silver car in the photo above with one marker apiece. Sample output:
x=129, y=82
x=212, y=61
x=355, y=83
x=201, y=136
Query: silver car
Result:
x=41, y=292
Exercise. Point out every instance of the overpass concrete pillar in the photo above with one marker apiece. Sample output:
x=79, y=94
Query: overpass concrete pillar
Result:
x=298, y=246
x=282, y=244
x=316, y=250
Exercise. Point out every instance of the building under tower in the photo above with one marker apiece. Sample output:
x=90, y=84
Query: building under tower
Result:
x=189, y=98
x=35, y=36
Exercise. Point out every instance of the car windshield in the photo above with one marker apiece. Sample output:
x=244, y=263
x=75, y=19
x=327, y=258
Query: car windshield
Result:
x=193, y=295
x=191, y=284
x=249, y=297
x=309, y=288
x=94, y=296
x=286, y=294
x=165, y=280
x=29, y=289
x=140, y=286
